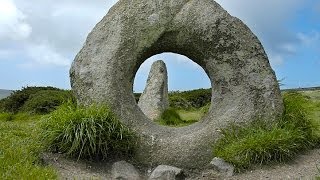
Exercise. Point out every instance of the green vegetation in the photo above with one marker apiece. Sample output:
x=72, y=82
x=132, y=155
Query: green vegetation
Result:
x=26, y=130
x=6, y=116
x=261, y=142
x=35, y=100
x=170, y=117
x=188, y=100
x=46, y=101
x=93, y=132
x=19, y=149
x=178, y=118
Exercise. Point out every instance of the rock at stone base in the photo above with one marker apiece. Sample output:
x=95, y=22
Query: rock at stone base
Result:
x=163, y=172
x=124, y=171
x=222, y=166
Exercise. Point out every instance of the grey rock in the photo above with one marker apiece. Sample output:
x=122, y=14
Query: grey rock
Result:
x=164, y=172
x=244, y=87
x=154, y=100
x=124, y=171
x=222, y=166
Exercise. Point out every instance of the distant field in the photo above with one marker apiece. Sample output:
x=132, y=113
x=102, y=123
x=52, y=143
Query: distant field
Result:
x=4, y=93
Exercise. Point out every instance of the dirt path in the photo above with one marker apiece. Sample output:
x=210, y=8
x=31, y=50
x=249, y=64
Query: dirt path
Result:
x=303, y=167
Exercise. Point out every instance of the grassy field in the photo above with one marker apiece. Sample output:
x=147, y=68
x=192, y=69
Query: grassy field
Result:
x=20, y=149
x=314, y=107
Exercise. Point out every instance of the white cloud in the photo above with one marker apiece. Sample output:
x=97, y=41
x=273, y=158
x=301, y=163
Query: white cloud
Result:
x=12, y=22
x=276, y=60
x=309, y=38
x=44, y=55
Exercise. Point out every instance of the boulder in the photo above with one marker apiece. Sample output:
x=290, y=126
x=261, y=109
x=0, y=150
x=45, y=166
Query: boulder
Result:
x=124, y=171
x=244, y=87
x=223, y=167
x=164, y=172
x=154, y=100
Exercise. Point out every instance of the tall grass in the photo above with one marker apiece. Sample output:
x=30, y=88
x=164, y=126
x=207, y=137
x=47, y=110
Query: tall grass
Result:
x=86, y=132
x=260, y=142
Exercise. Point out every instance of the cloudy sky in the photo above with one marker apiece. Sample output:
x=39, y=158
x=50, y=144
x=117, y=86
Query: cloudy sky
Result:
x=40, y=38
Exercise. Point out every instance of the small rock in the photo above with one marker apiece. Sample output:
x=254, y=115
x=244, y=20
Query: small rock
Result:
x=222, y=166
x=163, y=172
x=124, y=171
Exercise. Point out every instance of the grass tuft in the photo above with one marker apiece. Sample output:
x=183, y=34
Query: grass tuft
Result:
x=261, y=143
x=86, y=132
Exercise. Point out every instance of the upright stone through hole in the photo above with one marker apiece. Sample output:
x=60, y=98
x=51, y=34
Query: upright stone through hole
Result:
x=189, y=93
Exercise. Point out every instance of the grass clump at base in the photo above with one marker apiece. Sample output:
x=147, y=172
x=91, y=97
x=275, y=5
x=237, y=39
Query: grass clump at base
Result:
x=19, y=150
x=261, y=142
x=91, y=132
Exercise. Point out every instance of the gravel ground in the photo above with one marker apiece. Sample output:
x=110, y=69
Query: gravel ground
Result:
x=303, y=167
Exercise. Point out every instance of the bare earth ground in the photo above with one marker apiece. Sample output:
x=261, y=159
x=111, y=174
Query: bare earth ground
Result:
x=303, y=167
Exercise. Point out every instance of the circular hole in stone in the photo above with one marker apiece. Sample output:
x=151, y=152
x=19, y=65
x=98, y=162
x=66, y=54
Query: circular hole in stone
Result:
x=189, y=90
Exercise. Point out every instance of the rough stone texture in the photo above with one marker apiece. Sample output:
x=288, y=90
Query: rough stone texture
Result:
x=244, y=87
x=222, y=166
x=125, y=171
x=154, y=100
x=163, y=172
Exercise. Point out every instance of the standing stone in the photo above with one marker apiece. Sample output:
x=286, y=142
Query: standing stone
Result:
x=154, y=99
x=244, y=87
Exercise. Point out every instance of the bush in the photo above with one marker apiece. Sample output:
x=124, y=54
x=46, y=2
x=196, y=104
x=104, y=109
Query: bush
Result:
x=92, y=132
x=262, y=142
x=170, y=117
x=190, y=99
x=45, y=101
x=16, y=100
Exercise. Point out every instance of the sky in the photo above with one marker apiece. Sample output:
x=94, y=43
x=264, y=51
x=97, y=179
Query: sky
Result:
x=40, y=38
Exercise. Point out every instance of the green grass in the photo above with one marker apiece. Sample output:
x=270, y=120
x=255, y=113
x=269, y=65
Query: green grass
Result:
x=19, y=149
x=180, y=117
x=190, y=116
x=86, y=132
x=170, y=117
x=261, y=142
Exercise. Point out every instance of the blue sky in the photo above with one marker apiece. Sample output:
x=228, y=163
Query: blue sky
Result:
x=40, y=38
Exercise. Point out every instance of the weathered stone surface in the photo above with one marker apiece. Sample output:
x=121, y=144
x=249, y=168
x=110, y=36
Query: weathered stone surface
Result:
x=154, y=100
x=164, y=172
x=244, y=87
x=124, y=171
x=222, y=166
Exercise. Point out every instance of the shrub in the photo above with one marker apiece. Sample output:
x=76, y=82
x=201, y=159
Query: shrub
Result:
x=92, y=132
x=190, y=99
x=16, y=100
x=170, y=117
x=262, y=142
x=45, y=101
